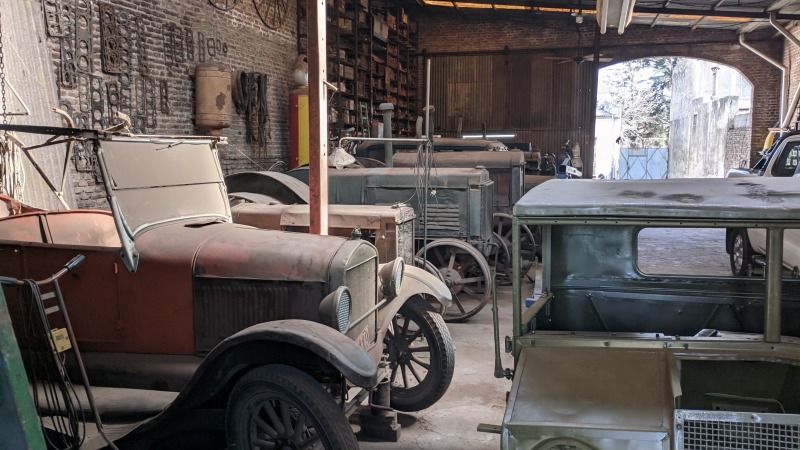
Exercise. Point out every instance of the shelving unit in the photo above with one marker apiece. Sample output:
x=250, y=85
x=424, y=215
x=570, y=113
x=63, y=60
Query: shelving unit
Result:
x=372, y=59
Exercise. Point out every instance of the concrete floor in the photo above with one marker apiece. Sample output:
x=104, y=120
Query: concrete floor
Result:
x=476, y=396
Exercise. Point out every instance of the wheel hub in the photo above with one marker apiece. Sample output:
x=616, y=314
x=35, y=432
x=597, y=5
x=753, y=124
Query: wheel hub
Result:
x=452, y=278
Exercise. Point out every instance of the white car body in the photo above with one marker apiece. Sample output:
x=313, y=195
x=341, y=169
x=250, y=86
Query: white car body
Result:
x=783, y=163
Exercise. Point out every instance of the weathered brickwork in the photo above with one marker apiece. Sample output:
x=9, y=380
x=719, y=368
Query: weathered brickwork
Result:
x=164, y=41
x=468, y=34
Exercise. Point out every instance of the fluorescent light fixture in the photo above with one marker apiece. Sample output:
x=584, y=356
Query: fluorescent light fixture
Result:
x=615, y=14
x=488, y=136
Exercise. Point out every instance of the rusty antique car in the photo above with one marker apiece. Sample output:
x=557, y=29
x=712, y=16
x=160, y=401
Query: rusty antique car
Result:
x=268, y=336
x=617, y=354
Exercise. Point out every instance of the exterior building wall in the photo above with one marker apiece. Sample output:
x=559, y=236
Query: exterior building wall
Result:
x=158, y=45
x=706, y=100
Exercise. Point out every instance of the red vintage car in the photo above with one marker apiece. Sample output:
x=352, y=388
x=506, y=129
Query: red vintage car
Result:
x=244, y=323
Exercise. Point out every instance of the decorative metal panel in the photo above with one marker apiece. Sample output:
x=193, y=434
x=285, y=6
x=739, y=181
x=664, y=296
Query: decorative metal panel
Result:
x=362, y=283
x=700, y=430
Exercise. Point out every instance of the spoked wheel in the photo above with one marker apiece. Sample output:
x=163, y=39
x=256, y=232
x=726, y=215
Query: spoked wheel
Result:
x=465, y=272
x=498, y=255
x=431, y=269
x=278, y=406
x=421, y=356
x=528, y=247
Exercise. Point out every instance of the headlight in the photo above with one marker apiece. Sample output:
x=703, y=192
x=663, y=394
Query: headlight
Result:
x=559, y=443
x=335, y=309
x=392, y=276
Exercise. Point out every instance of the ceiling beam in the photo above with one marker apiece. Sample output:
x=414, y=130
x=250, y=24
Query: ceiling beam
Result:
x=667, y=9
x=778, y=4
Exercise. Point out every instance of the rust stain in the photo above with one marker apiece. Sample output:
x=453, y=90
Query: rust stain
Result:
x=638, y=194
x=685, y=198
x=220, y=101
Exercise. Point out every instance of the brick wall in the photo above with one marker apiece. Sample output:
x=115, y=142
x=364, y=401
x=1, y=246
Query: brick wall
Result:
x=467, y=34
x=158, y=45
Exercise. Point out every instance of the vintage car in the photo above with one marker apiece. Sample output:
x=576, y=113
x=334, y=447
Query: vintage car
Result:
x=454, y=220
x=747, y=246
x=614, y=356
x=244, y=323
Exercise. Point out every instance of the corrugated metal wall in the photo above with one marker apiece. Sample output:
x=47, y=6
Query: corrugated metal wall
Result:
x=541, y=99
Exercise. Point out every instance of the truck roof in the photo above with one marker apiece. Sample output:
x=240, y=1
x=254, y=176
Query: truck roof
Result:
x=750, y=199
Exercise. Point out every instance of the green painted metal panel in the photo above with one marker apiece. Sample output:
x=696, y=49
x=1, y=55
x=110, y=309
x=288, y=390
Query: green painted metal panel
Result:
x=19, y=425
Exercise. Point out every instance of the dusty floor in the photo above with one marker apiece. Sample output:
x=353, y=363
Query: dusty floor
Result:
x=476, y=396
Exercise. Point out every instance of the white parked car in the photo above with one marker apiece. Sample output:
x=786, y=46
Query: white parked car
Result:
x=747, y=247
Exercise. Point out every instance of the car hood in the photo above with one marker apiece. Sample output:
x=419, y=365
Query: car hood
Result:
x=226, y=250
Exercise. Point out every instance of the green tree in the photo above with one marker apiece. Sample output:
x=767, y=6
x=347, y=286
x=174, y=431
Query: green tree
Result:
x=639, y=91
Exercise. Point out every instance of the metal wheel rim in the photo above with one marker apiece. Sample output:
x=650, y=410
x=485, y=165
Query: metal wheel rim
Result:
x=276, y=423
x=272, y=12
x=401, y=354
x=224, y=5
x=738, y=252
x=530, y=252
x=468, y=300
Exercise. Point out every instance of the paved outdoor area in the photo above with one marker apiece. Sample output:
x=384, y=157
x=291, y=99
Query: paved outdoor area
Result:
x=476, y=396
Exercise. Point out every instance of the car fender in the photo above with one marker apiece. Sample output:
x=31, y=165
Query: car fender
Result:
x=417, y=282
x=271, y=343
x=235, y=356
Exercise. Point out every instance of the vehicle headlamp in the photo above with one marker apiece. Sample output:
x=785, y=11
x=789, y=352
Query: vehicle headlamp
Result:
x=562, y=443
x=391, y=276
x=335, y=309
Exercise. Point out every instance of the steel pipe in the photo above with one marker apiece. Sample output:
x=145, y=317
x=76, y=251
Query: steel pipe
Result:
x=775, y=63
x=787, y=116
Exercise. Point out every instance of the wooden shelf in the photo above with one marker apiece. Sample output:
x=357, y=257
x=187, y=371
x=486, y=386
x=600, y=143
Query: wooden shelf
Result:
x=378, y=64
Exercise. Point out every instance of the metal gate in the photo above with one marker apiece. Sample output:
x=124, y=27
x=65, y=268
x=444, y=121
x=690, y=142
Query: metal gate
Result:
x=643, y=163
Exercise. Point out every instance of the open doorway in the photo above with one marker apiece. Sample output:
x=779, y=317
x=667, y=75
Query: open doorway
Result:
x=671, y=118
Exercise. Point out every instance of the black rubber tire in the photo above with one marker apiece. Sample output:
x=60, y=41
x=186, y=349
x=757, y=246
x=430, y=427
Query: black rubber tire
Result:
x=415, y=322
x=741, y=252
x=288, y=394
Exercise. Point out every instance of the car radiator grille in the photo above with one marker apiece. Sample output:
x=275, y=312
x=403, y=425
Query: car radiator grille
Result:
x=223, y=307
x=703, y=430
x=360, y=279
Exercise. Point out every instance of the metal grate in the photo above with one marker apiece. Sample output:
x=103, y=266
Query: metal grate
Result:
x=363, y=291
x=705, y=430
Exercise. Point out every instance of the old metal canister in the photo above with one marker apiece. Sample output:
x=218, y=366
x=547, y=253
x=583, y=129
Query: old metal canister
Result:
x=213, y=96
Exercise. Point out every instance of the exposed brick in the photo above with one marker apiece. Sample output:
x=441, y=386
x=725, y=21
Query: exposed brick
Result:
x=251, y=47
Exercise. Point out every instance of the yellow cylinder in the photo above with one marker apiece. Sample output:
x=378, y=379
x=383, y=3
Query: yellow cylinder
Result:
x=213, y=96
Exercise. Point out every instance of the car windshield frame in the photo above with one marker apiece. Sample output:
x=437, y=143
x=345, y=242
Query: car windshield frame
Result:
x=158, y=180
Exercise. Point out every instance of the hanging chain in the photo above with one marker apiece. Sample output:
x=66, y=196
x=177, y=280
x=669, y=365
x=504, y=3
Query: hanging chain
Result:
x=2, y=75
